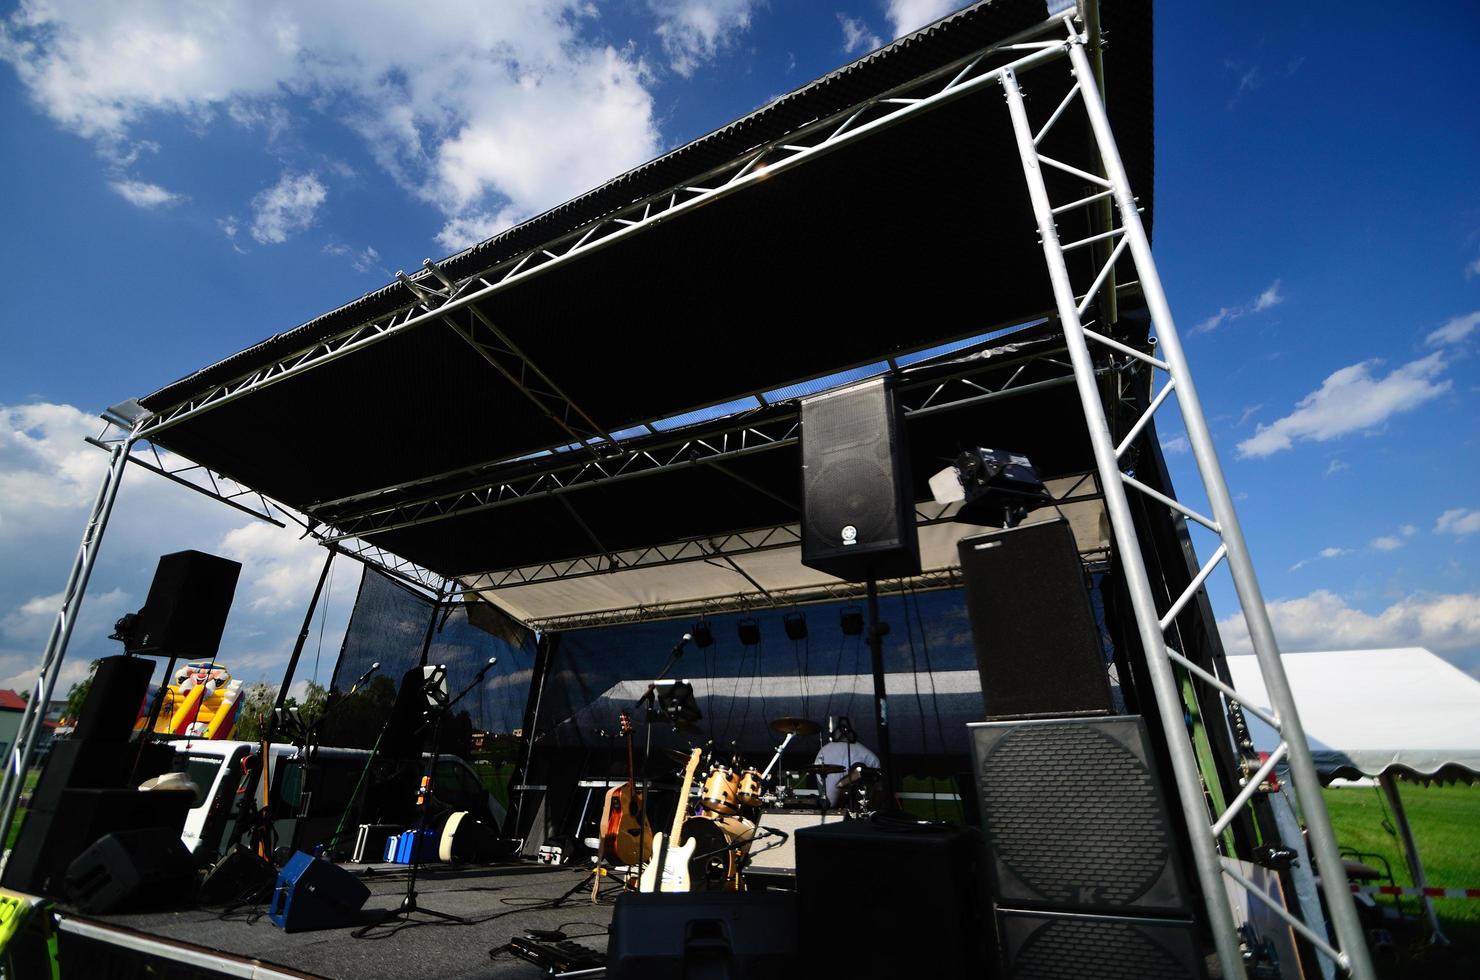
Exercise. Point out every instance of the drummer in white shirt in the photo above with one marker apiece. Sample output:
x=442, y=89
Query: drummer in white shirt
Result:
x=846, y=751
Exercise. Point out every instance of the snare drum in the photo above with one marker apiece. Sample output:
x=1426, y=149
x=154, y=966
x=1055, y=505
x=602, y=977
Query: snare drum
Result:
x=751, y=788
x=719, y=790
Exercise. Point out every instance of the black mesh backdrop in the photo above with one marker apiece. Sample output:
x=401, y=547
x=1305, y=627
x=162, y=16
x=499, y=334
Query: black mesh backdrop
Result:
x=388, y=626
x=929, y=662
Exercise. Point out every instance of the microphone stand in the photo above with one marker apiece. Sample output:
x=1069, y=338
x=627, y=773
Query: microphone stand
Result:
x=647, y=744
x=409, y=905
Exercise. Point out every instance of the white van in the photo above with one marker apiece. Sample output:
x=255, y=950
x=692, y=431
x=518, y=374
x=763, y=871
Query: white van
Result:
x=309, y=791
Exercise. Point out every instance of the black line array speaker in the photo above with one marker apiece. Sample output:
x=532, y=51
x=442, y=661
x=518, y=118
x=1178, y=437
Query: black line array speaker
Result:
x=891, y=901
x=1037, y=647
x=187, y=605
x=729, y=935
x=134, y=869
x=114, y=698
x=858, y=510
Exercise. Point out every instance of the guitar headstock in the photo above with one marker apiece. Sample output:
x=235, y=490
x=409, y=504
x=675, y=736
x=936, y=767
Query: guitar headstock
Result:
x=625, y=720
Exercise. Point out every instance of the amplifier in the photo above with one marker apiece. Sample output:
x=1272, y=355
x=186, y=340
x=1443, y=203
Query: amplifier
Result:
x=777, y=855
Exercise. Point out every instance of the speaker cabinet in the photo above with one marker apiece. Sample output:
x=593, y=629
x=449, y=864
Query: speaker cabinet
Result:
x=1045, y=946
x=241, y=875
x=774, y=859
x=1074, y=817
x=1037, y=647
x=314, y=894
x=858, y=511
x=187, y=605
x=113, y=700
x=736, y=935
x=133, y=869
x=876, y=902
x=96, y=764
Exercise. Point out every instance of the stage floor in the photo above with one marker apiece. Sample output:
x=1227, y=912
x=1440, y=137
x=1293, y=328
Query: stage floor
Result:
x=500, y=902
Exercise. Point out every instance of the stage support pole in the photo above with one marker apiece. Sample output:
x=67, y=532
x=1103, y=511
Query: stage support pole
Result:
x=61, y=632
x=313, y=604
x=876, y=631
x=1389, y=783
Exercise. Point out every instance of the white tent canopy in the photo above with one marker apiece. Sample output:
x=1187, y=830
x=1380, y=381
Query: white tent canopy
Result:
x=1367, y=712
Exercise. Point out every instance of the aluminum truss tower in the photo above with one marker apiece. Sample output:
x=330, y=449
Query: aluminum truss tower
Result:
x=1129, y=236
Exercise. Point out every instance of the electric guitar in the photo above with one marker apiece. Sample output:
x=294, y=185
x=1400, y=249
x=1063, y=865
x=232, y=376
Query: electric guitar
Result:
x=668, y=871
x=626, y=835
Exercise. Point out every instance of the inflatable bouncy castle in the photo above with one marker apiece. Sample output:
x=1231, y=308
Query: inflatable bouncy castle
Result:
x=201, y=702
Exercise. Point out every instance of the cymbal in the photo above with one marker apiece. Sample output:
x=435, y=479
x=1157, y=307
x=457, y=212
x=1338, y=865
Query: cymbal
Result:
x=795, y=726
x=824, y=770
x=678, y=755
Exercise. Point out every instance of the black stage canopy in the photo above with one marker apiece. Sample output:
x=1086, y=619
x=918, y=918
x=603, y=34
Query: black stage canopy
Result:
x=531, y=393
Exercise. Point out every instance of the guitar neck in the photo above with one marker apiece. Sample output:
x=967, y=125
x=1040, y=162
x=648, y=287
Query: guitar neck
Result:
x=681, y=811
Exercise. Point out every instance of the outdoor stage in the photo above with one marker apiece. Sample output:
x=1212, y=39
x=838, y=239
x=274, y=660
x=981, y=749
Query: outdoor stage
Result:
x=501, y=902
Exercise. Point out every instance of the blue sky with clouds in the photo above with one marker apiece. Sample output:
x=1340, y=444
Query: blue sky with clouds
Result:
x=183, y=180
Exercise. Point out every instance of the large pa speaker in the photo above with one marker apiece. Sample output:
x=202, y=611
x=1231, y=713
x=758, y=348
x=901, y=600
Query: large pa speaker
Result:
x=314, y=894
x=858, y=510
x=114, y=698
x=187, y=606
x=1037, y=647
x=1049, y=946
x=1075, y=818
x=133, y=869
x=731, y=935
x=897, y=902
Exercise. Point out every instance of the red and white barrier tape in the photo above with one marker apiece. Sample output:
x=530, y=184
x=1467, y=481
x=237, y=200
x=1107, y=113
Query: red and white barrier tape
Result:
x=1415, y=892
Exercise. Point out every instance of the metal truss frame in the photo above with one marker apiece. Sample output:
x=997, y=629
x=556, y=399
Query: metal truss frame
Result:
x=711, y=445
x=436, y=295
x=1129, y=239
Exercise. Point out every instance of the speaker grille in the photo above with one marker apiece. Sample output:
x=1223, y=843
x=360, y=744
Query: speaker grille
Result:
x=1060, y=949
x=1100, y=796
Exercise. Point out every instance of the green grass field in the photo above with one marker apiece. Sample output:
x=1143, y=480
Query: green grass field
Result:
x=1445, y=821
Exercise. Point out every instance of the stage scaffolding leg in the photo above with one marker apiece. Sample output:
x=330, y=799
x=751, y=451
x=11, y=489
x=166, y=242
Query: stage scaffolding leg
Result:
x=1350, y=953
x=61, y=634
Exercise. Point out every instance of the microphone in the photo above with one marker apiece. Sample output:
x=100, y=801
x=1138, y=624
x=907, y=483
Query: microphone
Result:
x=487, y=667
x=683, y=642
x=364, y=677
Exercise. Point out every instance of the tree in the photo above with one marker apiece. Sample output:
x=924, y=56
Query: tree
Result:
x=252, y=717
x=77, y=693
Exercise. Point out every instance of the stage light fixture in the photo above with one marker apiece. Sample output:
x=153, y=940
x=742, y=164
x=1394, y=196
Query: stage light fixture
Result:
x=850, y=618
x=995, y=487
x=750, y=632
x=796, y=625
x=702, y=634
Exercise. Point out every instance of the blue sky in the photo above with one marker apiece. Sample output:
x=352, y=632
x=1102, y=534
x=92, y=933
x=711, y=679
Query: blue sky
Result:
x=184, y=180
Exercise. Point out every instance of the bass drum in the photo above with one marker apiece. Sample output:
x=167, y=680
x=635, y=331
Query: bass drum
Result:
x=710, y=865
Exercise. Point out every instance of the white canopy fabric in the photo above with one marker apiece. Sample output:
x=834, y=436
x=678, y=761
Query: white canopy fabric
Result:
x=1368, y=712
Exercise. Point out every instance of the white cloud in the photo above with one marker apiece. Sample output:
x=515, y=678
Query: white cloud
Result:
x=694, y=31
x=1336, y=466
x=1268, y=299
x=1388, y=542
x=1323, y=620
x=1177, y=444
x=910, y=15
x=1459, y=522
x=1473, y=269
x=362, y=260
x=143, y=195
x=505, y=108
x=1350, y=400
x=856, y=35
x=228, y=226
x=48, y=480
x=287, y=207
x=1325, y=553
x=1455, y=330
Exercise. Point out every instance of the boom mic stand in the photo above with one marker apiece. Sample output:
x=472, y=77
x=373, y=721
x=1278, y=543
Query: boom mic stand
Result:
x=409, y=905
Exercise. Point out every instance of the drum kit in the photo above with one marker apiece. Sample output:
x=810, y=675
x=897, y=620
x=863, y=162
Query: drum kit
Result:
x=733, y=797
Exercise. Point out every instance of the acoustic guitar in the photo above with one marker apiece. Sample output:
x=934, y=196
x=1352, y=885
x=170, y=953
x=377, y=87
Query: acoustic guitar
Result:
x=626, y=836
x=668, y=871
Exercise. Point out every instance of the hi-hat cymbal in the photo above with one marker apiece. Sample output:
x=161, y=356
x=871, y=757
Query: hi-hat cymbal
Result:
x=824, y=770
x=795, y=726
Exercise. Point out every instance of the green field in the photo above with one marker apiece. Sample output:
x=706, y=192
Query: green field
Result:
x=1445, y=821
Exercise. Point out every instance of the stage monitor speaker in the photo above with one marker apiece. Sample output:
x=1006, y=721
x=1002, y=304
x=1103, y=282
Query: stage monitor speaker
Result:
x=114, y=699
x=50, y=840
x=861, y=889
x=240, y=876
x=133, y=869
x=1037, y=946
x=731, y=935
x=858, y=509
x=1075, y=819
x=1037, y=647
x=188, y=602
x=314, y=894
